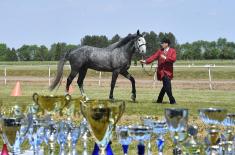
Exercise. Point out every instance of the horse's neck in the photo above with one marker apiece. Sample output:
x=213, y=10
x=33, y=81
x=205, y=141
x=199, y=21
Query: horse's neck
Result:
x=128, y=50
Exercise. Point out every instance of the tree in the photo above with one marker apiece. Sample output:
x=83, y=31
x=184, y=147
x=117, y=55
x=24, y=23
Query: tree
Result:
x=172, y=39
x=11, y=55
x=57, y=51
x=211, y=51
x=27, y=52
x=3, y=51
x=96, y=41
x=41, y=54
x=114, y=39
x=152, y=41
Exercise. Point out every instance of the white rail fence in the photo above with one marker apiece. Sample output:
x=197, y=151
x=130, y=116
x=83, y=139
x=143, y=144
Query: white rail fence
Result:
x=209, y=67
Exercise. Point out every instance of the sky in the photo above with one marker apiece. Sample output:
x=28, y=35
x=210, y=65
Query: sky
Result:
x=44, y=22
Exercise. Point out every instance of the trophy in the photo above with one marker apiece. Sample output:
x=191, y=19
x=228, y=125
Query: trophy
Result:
x=72, y=112
x=62, y=136
x=191, y=145
x=85, y=133
x=74, y=132
x=14, y=127
x=212, y=117
x=51, y=133
x=51, y=104
x=36, y=135
x=177, y=121
x=140, y=134
x=102, y=116
x=227, y=143
x=159, y=128
x=72, y=108
x=123, y=137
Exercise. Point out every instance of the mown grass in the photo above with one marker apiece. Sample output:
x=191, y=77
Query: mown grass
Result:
x=186, y=98
x=193, y=99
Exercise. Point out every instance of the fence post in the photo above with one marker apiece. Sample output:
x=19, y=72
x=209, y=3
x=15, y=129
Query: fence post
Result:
x=100, y=79
x=49, y=75
x=5, y=75
x=154, y=79
x=209, y=71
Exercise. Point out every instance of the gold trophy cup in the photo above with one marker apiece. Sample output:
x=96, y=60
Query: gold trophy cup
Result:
x=51, y=104
x=102, y=116
x=13, y=126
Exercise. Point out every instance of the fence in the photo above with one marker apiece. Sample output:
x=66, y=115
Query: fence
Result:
x=209, y=67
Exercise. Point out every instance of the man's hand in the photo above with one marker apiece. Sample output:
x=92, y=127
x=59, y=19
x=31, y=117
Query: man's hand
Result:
x=163, y=56
x=142, y=61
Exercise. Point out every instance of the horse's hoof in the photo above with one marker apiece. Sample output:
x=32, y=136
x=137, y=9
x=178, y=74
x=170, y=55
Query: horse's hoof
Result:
x=133, y=97
x=85, y=97
x=111, y=99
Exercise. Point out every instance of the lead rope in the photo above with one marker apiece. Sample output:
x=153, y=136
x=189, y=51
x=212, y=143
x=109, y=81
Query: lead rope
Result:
x=150, y=72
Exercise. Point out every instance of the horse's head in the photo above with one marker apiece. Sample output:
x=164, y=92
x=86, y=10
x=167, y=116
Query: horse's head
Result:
x=140, y=43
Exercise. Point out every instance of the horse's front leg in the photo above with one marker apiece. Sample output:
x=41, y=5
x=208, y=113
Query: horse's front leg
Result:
x=113, y=82
x=131, y=78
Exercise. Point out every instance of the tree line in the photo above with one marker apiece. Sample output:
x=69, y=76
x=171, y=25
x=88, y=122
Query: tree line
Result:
x=198, y=50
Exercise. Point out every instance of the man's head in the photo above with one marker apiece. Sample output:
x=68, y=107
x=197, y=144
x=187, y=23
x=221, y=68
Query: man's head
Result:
x=165, y=42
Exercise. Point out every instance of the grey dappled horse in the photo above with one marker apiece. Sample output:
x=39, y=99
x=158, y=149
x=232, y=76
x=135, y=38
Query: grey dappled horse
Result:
x=115, y=58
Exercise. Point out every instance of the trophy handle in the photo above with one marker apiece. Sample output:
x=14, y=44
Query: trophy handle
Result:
x=35, y=98
x=68, y=98
x=122, y=109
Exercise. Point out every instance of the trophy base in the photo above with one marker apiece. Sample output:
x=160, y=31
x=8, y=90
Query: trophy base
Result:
x=30, y=152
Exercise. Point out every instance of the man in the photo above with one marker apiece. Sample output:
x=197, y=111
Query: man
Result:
x=166, y=57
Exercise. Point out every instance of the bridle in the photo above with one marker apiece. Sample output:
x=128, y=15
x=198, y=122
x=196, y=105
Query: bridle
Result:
x=137, y=46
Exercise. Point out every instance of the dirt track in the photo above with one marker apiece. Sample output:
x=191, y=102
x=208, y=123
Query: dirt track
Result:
x=188, y=84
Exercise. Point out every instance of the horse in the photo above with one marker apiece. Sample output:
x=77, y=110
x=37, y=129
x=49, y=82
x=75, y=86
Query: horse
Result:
x=115, y=58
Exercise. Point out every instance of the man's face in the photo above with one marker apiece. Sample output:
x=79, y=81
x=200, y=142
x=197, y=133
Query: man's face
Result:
x=164, y=45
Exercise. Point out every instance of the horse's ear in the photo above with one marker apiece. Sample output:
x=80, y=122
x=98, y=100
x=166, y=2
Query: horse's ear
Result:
x=138, y=32
x=144, y=34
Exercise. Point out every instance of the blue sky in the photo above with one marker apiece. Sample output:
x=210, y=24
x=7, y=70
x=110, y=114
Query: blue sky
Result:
x=50, y=21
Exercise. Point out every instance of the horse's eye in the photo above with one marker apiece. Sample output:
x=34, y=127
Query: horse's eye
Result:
x=139, y=40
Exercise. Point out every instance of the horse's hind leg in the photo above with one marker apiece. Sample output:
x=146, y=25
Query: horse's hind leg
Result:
x=82, y=74
x=113, y=82
x=70, y=78
x=130, y=77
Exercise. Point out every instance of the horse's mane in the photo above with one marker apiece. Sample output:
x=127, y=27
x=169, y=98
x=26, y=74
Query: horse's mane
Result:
x=123, y=41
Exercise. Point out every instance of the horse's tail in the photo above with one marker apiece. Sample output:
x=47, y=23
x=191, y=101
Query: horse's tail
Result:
x=60, y=68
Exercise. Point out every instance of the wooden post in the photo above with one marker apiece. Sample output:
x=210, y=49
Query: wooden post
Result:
x=154, y=79
x=5, y=75
x=100, y=79
x=49, y=75
x=209, y=71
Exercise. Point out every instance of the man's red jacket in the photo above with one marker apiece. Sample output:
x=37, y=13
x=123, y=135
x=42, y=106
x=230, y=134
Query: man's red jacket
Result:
x=165, y=66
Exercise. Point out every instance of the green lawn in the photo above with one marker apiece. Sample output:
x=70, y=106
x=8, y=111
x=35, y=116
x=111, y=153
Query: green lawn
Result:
x=193, y=99
x=186, y=98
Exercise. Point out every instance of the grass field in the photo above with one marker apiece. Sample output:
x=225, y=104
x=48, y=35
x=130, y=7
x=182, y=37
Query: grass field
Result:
x=191, y=98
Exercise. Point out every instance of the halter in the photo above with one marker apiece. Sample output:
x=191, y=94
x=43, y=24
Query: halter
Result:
x=137, y=46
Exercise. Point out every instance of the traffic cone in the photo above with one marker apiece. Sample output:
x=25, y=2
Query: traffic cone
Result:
x=4, y=150
x=17, y=90
x=71, y=89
